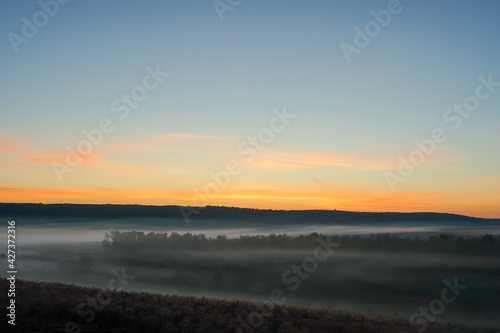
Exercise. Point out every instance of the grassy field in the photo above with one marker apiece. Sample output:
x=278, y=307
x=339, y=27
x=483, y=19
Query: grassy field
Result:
x=56, y=307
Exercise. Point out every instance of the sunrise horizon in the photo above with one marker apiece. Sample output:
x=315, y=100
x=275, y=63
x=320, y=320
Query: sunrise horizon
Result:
x=284, y=208
x=249, y=108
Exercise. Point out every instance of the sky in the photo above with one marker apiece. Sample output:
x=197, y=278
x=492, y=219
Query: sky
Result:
x=263, y=104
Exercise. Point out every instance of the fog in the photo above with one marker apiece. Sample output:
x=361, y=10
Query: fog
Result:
x=60, y=231
x=385, y=283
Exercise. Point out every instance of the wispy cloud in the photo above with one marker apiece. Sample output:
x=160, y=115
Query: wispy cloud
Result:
x=371, y=156
x=59, y=156
x=277, y=161
x=323, y=183
x=172, y=142
x=7, y=144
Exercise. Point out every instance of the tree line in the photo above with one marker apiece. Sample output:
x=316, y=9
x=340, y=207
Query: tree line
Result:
x=486, y=245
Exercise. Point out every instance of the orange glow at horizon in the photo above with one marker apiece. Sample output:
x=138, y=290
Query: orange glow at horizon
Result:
x=284, y=176
x=265, y=199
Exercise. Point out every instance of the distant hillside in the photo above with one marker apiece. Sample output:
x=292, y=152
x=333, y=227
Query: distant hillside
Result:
x=331, y=217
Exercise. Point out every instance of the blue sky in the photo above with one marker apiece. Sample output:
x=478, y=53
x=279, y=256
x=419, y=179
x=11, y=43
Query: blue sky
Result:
x=227, y=76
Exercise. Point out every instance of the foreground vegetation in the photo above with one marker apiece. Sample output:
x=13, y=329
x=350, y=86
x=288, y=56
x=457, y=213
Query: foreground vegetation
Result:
x=49, y=307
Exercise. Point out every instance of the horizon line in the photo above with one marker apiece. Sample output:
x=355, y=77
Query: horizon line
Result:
x=249, y=208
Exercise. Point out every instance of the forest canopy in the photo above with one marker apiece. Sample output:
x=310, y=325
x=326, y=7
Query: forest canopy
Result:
x=486, y=245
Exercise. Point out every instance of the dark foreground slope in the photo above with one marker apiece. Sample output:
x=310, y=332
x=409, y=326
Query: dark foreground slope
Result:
x=16, y=210
x=56, y=307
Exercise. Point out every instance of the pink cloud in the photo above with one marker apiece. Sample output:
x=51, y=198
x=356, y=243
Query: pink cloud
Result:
x=321, y=159
x=8, y=145
x=60, y=157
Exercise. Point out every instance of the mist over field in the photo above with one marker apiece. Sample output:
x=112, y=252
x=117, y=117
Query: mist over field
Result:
x=54, y=230
x=381, y=281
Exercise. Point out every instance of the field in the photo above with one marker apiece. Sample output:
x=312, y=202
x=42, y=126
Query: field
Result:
x=387, y=275
x=56, y=307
